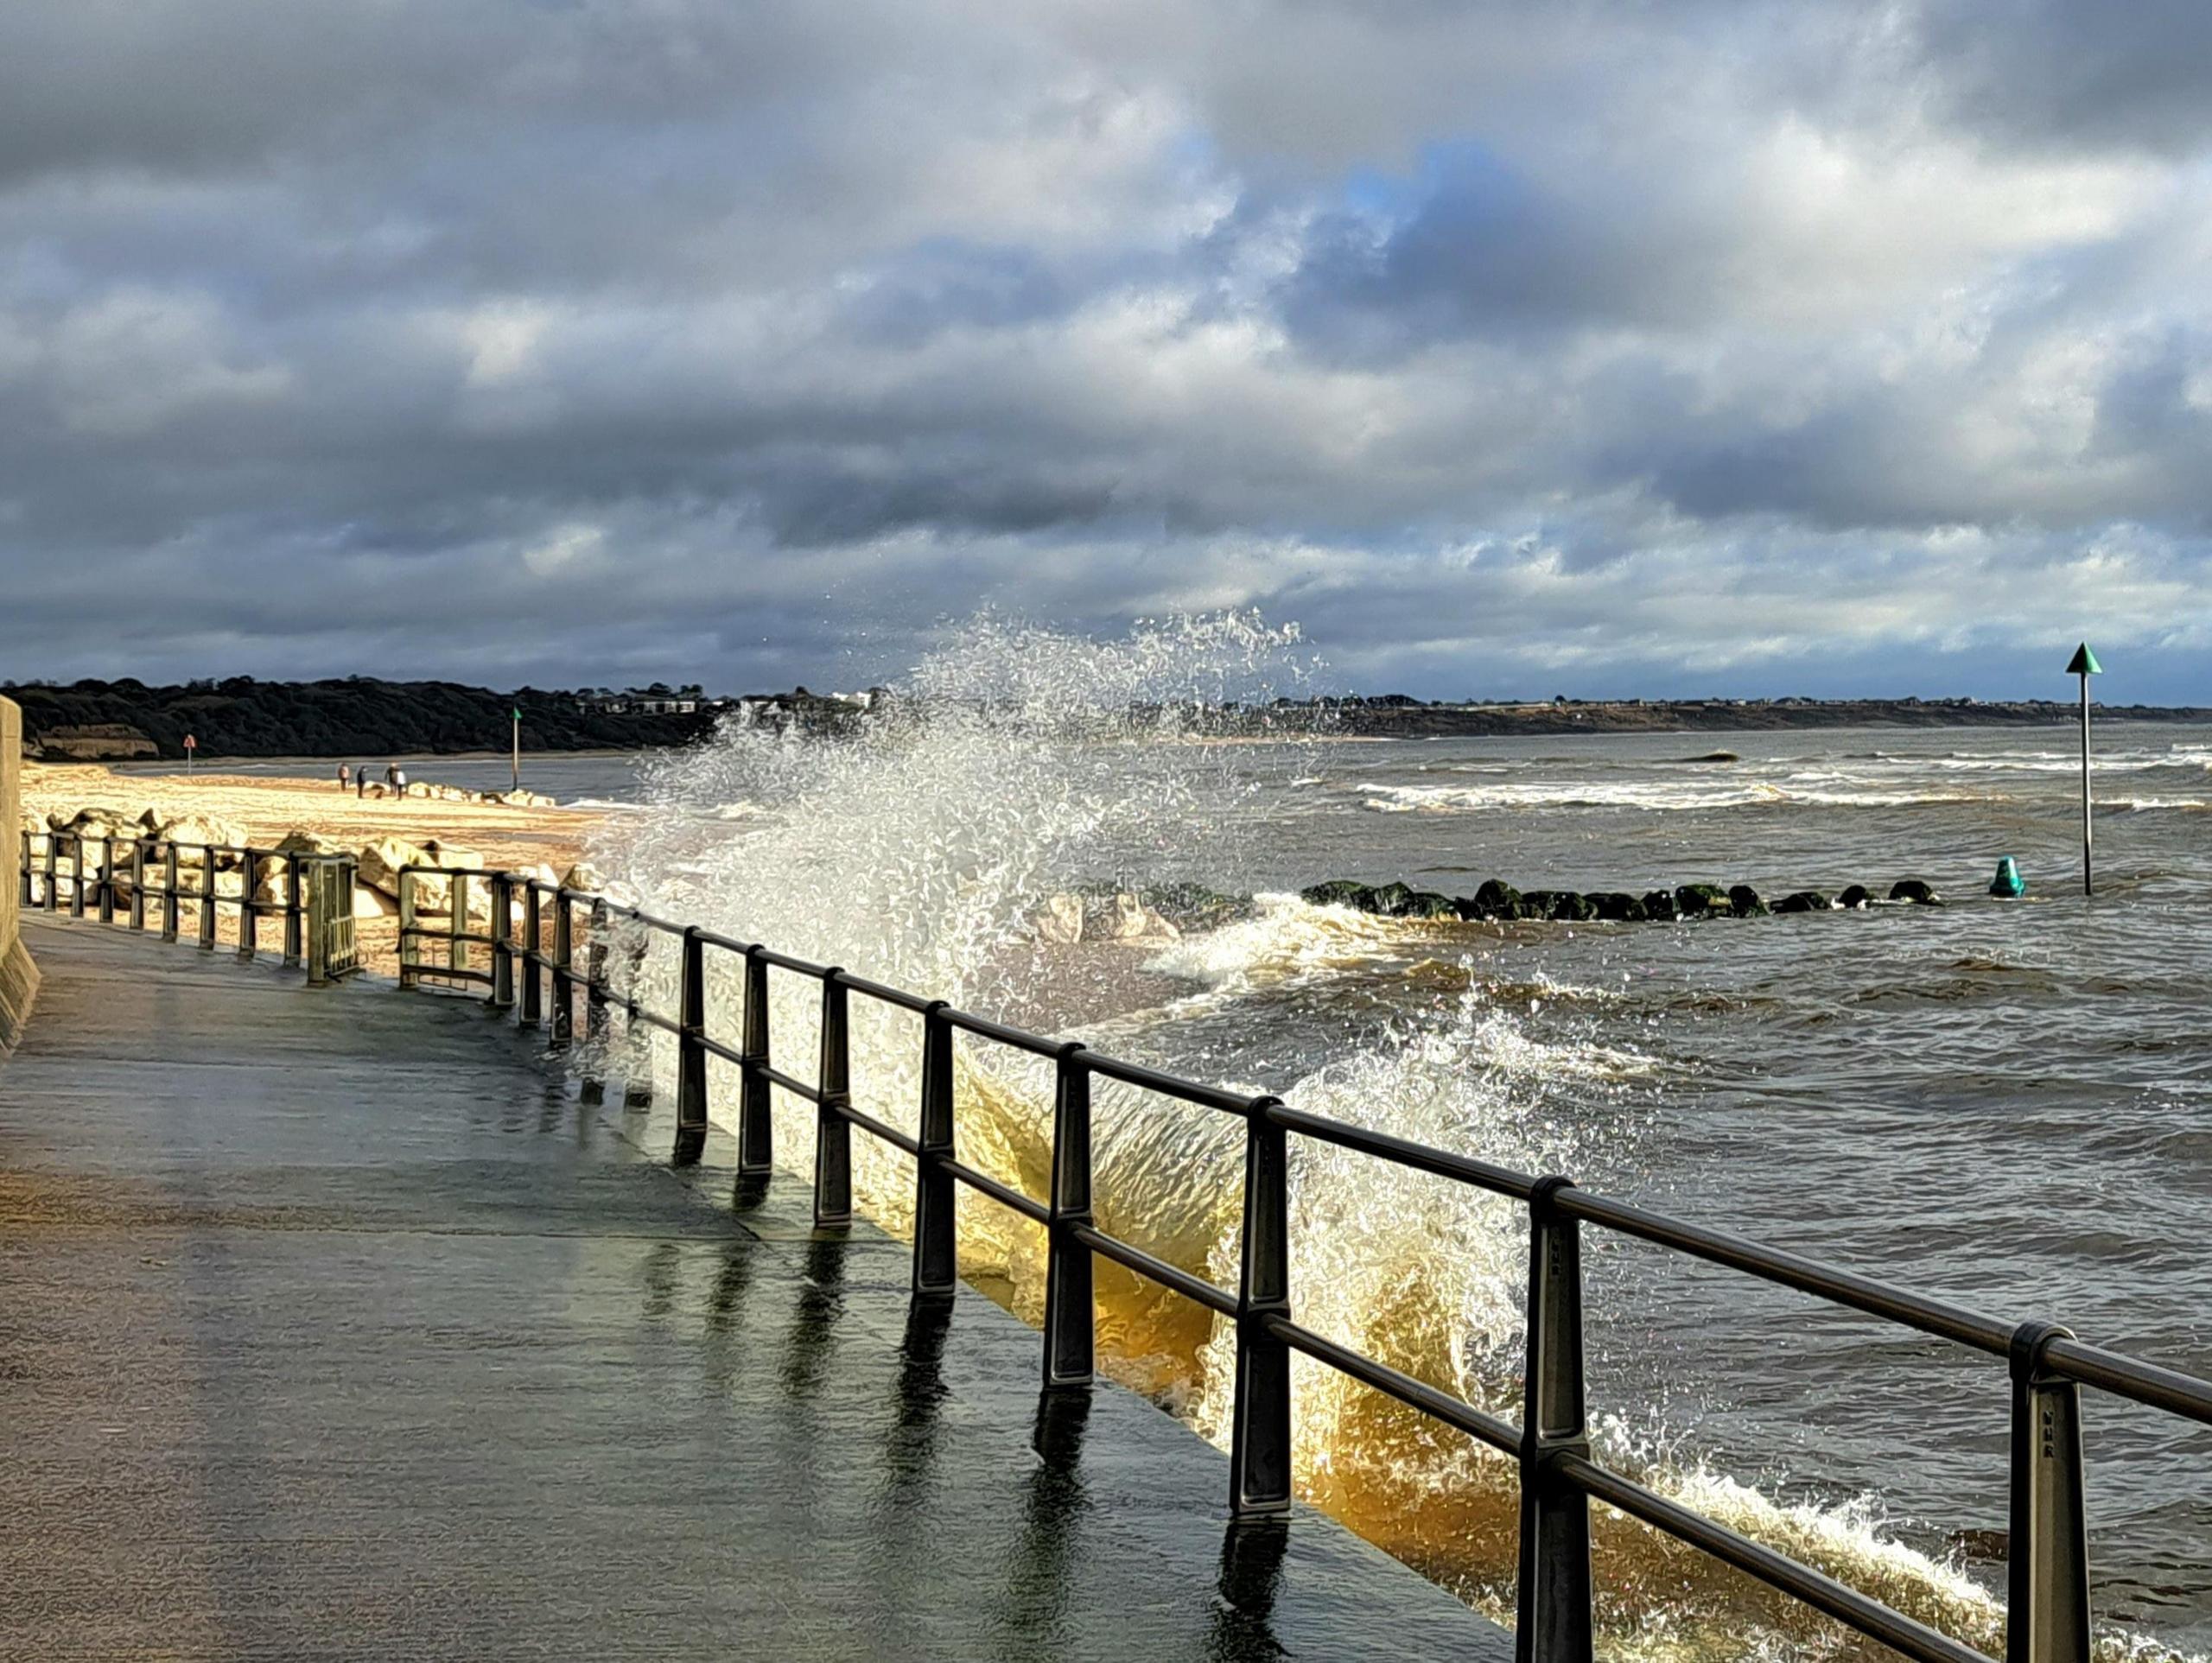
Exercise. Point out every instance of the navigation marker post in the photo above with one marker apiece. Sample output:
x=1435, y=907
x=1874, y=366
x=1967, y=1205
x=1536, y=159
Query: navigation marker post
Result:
x=191, y=745
x=2084, y=664
x=517, y=762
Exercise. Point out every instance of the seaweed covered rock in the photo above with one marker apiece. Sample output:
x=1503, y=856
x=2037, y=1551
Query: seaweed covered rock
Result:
x=1915, y=891
x=1195, y=906
x=1855, y=897
x=1427, y=904
x=1661, y=907
x=1805, y=900
x=1495, y=899
x=1538, y=903
x=1389, y=900
x=1612, y=906
x=1700, y=900
x=1745, y=902
x=1574, y=907
x=1338, y=892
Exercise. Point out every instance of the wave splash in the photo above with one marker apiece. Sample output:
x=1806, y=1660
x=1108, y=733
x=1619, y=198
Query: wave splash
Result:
x=917, y=852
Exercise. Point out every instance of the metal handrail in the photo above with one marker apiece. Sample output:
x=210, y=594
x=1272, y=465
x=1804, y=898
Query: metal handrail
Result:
x=2048, y=1595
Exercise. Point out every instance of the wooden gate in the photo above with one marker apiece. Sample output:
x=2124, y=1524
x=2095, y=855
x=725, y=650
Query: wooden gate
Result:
x=331, y=951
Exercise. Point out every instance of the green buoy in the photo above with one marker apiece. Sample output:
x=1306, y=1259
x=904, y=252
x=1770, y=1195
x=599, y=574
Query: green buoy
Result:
x=2008, y=883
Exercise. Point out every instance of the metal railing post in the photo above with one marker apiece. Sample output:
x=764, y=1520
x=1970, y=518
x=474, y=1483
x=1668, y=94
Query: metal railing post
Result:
x=249, y=921
x=292, y=910
x=533, y=948
x=138, y=883
x=23, y=870
x=595, y=967
x=833, y=1132
x=1553, y=1622
x=594, y=1083
x=691, y=1052
x=52, y=894
x=503, y=952
x=208, y=897
x=936, y=1263
x=637, y=1084
x=409, y=946
x=77, y=877
x=1069, y=1293
x=2047, y=1605
x=564, y=953
x=756, y=1136
x=107, y=879
x=1259, y=1458
x=170, y=905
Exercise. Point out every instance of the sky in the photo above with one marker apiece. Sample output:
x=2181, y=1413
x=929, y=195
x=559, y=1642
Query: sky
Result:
x=1657, y=348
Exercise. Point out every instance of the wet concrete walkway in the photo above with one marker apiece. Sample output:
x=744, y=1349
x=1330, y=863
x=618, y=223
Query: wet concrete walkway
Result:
x=330, y=1327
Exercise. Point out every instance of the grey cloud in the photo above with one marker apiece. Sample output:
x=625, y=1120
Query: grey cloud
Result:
x=569, y=340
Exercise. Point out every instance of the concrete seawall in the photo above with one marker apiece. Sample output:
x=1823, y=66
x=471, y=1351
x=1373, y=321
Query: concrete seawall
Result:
x=18, y=976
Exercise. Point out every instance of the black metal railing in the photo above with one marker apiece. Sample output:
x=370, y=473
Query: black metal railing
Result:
x=2048, y=1597
x=315, y=905
x=539, y=976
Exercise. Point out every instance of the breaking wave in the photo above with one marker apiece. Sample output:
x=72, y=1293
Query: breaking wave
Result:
x=919, y=850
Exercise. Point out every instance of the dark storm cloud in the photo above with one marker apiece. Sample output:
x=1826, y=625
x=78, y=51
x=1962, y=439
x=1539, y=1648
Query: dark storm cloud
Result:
x=2054, y=72
x=572, y=341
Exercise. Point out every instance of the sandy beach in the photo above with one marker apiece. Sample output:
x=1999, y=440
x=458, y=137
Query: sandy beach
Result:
x=267, y=808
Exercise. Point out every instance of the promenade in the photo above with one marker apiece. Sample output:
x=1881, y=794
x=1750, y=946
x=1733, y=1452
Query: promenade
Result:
x=331, y=1326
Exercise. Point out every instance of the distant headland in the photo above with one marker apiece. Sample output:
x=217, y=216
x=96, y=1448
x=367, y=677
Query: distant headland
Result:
x=364, y=717
x=1396, y=716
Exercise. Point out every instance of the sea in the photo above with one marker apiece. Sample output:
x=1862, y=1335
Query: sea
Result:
x=2006, y=1103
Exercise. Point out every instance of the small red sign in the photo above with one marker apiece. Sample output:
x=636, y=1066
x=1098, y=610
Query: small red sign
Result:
x=190, y=743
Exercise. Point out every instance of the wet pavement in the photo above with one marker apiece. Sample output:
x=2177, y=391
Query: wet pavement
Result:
x=331, y=1326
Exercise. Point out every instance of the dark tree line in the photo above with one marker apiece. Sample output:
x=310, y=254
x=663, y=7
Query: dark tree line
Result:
x=243, y=717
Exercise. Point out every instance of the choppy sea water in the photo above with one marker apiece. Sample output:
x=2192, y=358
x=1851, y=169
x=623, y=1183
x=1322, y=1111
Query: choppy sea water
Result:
x=2001, y=1103
x=2008, y=1104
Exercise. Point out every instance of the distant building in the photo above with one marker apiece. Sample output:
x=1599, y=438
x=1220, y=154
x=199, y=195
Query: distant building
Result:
x=655, y=701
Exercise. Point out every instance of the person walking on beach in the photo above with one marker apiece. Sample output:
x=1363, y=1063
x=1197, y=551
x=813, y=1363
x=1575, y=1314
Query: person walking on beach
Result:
x=399, y=781
x=345, y=776
x=361, y=782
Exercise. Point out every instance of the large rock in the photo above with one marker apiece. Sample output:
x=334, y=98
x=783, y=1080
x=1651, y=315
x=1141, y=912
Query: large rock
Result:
x=1914, y=890
x=1856, y=897
x=1614, y=907
x=1427, y=903
x=1700, y=900
x=1495, y=900
x=1573, y=907
x=1059, y=921
x=1661, y=907
x=1745, y=902
x=1191, y=906
x=1805, y=900
x=197, y=828
x=1389, y=900
x=1132, y=920
x=1338, y=892
x=380, y=862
